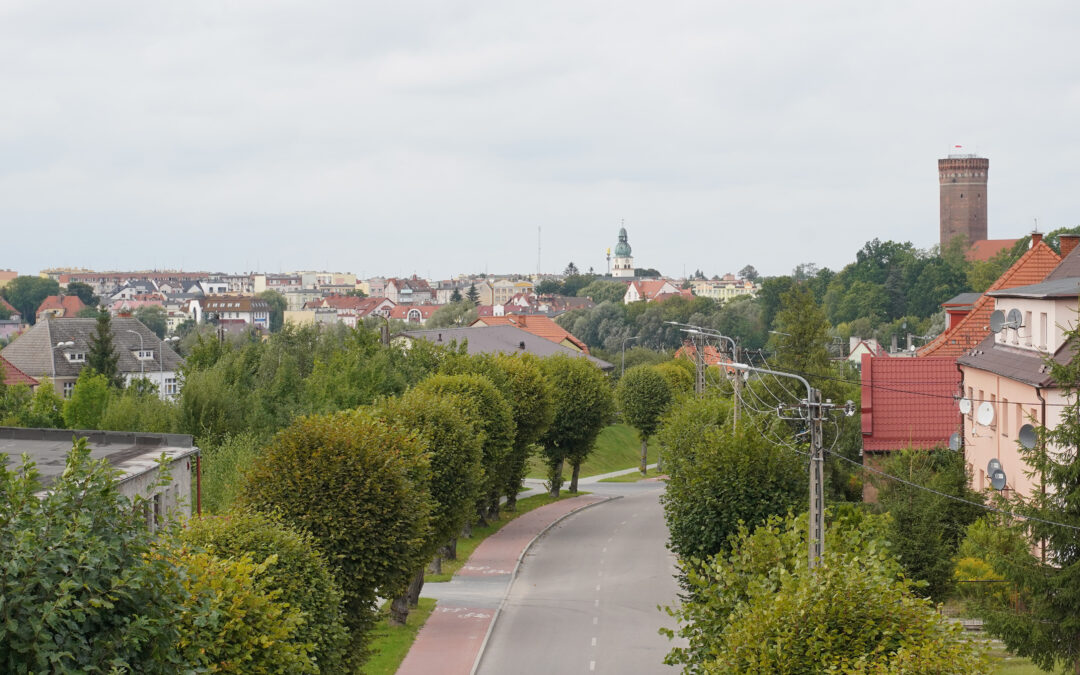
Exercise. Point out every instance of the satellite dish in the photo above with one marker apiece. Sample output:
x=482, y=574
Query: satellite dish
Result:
x=997, y=480
x=1016, y=319
x=992, y=466
x=1027, y=436
x=985, y=414
x=997, y=320
x=965, y=406
x=955, y=441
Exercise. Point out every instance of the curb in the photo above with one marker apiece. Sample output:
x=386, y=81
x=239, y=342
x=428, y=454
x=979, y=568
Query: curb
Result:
x=517, y=566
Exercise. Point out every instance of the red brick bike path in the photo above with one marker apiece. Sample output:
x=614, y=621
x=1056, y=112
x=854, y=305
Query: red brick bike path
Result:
x=452, y=638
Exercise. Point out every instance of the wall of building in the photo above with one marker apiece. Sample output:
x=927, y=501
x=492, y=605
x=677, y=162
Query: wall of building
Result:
x=963, y=197
x=176, y=498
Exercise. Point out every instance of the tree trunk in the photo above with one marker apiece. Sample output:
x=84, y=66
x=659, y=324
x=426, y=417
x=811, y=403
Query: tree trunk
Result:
x=450, y=550
x=511, y=499
x=644, y=456
x=493, y=506
x=415, y=587
x=574, y=476
x=399, y=609
x=481, y=516
x=555, y=479
x=436, y=563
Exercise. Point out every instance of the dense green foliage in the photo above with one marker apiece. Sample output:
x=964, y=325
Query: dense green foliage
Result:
x=359, y=487
x=26, y=294
x=489, y=410
x=520, y=379
x=88, y=401
x=223, y=465
x=296, y=571
x=583, y=404
x=719, y=480
x=153, y=317
x=759, y=609
x=233, y=621
x=82, y=583
x=926, y=528
x=278, y=305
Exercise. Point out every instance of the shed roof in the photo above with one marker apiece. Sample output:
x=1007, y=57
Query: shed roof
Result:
x=907, y=403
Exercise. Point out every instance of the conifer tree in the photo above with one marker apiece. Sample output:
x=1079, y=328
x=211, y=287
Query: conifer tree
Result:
x=102, y=356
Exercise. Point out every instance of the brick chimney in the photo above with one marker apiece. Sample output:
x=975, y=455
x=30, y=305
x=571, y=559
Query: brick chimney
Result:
x=1036, y=237
x=1068, y=242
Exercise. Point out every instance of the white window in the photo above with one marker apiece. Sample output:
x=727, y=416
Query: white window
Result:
x=68, y=388
x=144, y=354
x=170, y=386
x=76, y=357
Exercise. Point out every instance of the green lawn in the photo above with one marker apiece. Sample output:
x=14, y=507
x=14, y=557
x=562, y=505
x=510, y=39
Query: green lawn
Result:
x=1007, y=664
x=617, y=448
x=465, y=547
x=390, y=644
x=631, y=477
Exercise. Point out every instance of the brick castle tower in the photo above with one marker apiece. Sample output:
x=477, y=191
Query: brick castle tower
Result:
x=963, y=197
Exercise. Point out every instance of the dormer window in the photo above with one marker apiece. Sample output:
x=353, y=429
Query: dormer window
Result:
x=144, y=354
x=75, y=357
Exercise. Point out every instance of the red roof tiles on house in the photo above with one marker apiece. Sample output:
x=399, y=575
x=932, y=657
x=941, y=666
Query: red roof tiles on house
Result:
x=8, y=306
x=1031, y=268
x=984, y=249
x=907, y=402
x=13, y=375
x=65, y=306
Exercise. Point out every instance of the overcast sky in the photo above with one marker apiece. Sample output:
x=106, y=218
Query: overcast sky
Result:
x=436, y=137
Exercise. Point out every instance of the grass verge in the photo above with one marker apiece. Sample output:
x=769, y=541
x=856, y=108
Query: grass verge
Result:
x=390, y=644
x=617, y=447
x=1005, y=663
x=465, y=547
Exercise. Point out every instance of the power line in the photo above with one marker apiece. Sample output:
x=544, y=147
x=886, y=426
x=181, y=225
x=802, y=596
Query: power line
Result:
x=1011, y=514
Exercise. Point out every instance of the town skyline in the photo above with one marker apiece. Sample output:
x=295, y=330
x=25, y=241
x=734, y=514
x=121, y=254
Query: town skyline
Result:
x=392, y=141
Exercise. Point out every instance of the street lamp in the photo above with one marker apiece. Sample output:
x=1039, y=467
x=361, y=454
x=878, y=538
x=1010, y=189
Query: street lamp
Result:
x=623, y=350
x=142, y=367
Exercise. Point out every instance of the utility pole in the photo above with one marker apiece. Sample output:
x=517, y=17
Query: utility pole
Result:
x=699, y=361
x=816, y=538
x=737, y=386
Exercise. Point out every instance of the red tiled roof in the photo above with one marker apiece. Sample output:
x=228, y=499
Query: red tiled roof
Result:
x=402, y=311
x=13, y=375
x=69, y=304
x=537, y=324
x=7, y=305
x=907, y=403
x=1031, y=268
x=984, y=249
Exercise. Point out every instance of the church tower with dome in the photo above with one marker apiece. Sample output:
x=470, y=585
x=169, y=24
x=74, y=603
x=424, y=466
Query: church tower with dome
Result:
x=624, y=262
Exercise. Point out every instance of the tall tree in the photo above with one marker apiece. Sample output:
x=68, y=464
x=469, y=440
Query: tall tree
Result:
x=473, y=295
x=583, y=407
x=749, y=273
x=85, y=293
x=26, y=293
x=1047, y=627
x=102, y=356
x=643, y=396
x=571, y=269
x=278, y=305
x=456, y=295
x=802, y=333
x=154, y=318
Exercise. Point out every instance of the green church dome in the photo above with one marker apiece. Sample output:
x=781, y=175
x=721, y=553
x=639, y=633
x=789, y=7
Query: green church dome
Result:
x=622, y=249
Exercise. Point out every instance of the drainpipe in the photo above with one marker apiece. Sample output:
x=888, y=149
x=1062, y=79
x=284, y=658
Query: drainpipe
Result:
x=962, y=436
x=198, y=483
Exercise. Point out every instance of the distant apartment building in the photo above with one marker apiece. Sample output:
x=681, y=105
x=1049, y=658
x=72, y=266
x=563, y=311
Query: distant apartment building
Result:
x=107, y=283
x=505, y=289
x=233, y=311
x=276, y=282
x=6, y=276
x=411, y=291
x=723, y=289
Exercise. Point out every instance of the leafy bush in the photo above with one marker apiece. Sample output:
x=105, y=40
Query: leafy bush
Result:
x=88, y=401
x=82, y=586
x=926, y=527
x=760, y=609
x=358, y=486
x=132, y=410
x=233, y=620
x=718, y=480
x=300, y=574
x=223, y=466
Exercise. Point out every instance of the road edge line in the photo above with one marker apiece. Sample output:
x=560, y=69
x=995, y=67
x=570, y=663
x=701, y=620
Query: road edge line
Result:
x=517, y=566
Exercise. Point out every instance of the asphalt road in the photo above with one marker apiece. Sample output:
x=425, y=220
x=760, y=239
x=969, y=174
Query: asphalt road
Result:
x=585, y=599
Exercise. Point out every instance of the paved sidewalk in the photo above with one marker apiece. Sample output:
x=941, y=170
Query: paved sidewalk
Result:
x=454, y=634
